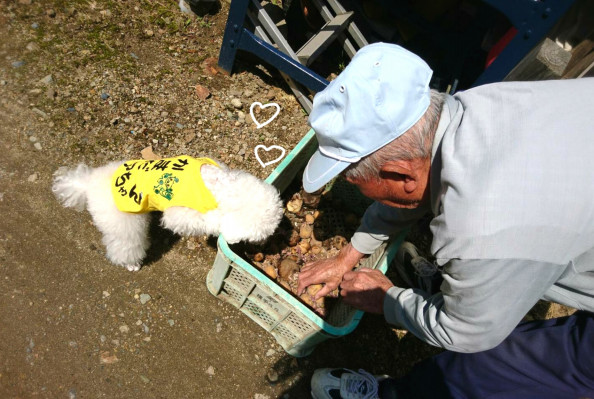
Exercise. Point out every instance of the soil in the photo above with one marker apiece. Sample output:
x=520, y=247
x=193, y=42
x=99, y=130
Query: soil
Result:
x=94, y=81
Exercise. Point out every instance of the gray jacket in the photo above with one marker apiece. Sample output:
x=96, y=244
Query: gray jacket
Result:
x=512, y=193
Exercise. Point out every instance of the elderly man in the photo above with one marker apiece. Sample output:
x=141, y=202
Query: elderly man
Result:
x=506, y=170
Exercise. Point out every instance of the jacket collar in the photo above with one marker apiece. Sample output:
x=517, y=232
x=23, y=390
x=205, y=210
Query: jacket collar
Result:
x=447, y=121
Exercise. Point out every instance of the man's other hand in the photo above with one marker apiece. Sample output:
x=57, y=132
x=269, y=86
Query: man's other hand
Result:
x=365, y=289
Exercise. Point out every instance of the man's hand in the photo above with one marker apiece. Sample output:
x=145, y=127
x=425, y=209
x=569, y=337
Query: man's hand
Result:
x=365, y=289
x=328, y=271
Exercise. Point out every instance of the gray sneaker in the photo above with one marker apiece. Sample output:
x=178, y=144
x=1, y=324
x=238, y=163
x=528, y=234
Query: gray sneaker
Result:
x=415, y=270
x=344, y=384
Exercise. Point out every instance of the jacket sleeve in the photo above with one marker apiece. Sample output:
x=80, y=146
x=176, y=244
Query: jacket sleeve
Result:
x=380, y=222
x=480, y=303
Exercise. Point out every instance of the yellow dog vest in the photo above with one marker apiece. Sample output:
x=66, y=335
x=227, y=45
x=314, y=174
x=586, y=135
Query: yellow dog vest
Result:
x=141, y=186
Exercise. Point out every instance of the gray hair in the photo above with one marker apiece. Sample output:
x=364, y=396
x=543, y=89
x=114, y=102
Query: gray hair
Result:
x=415, y=143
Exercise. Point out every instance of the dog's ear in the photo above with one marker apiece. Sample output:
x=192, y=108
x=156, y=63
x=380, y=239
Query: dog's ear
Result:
x=211, y=174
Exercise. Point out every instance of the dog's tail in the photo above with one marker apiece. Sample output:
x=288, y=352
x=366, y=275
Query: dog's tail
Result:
x=70, y=186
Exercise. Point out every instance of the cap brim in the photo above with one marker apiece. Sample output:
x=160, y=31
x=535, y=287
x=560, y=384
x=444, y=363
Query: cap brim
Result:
x=320, y=170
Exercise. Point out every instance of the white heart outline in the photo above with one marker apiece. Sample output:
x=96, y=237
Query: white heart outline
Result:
x=258, y=124
x=272, y=147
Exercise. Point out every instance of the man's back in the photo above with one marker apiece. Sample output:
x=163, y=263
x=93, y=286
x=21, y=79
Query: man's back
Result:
x=516, y=181
x=517, y=173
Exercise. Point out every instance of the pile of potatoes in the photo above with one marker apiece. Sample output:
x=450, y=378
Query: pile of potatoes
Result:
x=315, y=227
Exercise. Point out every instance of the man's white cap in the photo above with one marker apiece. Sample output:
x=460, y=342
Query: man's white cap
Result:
x=381, y=94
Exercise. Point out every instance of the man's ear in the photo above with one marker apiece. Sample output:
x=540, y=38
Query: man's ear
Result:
x=405, y=172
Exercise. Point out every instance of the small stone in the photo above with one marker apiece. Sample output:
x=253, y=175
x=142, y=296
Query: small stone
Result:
x=47, y=80
x=236, y=103
x=3, y=82
x=134, y=56
x=149, y=33
x=147, y=153
x=189, y=137
x=272, y=376
x=18, y=64
x=202, y=92
x=51, y=93
x=72, y=344
x=40, y=113
x=124, y=329
x=102, y=338
x=270, y=352
x=104, y=96
x=107, y=358
x=106, y=294
x=144, y=298
x=210, y=371
x=33, y=178
x=34, y=25
x=72, y=394
x=32, y=46
x=179, y=126
x=171, y=322
x=144, y=379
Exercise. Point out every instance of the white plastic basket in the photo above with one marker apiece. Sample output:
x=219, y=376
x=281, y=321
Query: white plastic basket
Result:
x=295, y=326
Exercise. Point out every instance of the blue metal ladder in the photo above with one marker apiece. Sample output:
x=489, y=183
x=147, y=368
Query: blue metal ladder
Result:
x=532, y=18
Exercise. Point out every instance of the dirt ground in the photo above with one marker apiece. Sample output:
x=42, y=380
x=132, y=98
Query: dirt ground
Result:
x=93, y=81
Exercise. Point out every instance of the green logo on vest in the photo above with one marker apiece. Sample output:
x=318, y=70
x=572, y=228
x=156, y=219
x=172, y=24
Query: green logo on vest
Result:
x=165, y=184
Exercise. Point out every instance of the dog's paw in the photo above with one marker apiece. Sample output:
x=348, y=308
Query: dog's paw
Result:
x=133, y=268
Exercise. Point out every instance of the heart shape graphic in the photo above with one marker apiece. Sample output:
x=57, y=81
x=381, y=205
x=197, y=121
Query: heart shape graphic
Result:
x=272, y=147
x=258, y=124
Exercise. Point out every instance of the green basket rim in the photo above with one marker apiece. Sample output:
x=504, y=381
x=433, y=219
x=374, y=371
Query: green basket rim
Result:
x=275, y=174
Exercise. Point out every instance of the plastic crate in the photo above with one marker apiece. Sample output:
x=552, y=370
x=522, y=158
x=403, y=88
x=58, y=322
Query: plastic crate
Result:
x=295, y=326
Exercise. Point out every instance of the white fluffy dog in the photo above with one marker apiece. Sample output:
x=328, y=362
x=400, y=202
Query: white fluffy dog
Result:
x=248, y=209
